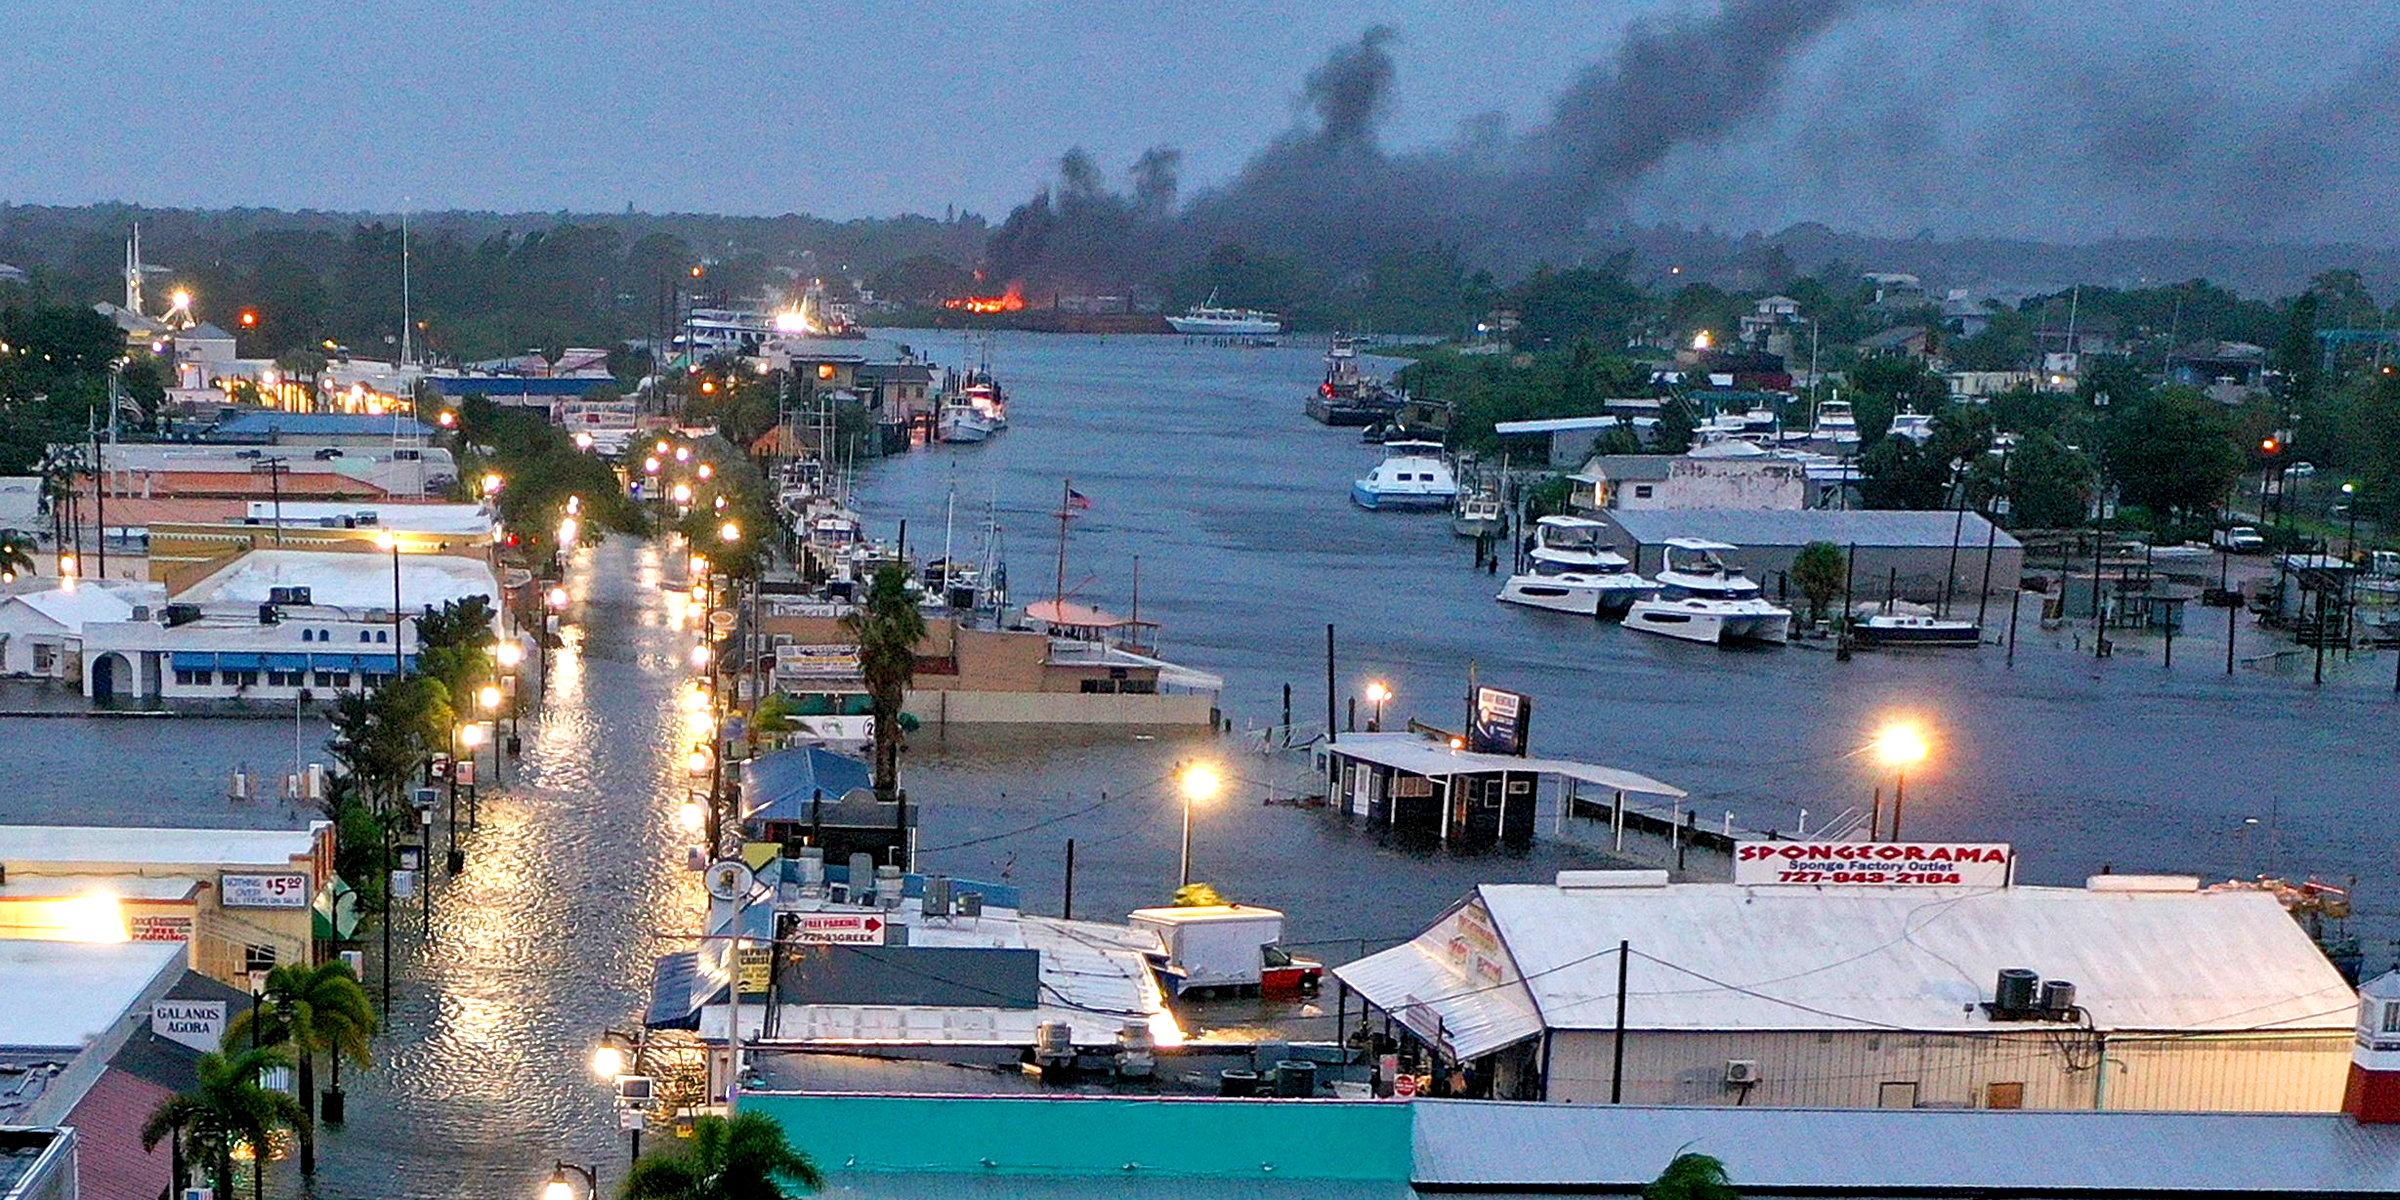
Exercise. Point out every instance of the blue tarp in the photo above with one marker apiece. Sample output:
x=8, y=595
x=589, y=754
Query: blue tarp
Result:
x=779, y=786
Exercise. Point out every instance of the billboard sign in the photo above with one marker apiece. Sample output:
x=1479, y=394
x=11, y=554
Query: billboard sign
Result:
x=269, y=889
x=1874, y=864
x=199, y=1024
x=1502, y=722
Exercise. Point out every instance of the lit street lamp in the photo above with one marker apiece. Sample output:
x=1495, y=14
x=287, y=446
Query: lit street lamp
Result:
x=730, y=531
x=1198, y=783
x=559, y=1189
x=1377, y=693
x=491, y=483
x=1899, y=746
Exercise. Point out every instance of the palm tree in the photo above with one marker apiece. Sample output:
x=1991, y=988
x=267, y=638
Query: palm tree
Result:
x=16, y=556
x=227, y=1109
x=888, y=627
x=1692, y=1177
x=741, y=1158
x=311, y=1011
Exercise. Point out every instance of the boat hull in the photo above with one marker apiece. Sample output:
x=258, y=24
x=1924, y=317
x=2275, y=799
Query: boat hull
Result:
x=1705, y=625
x=1211, y=327
x=1348, y=414
x=962, y=434
x=1471, y=527
x=1401, y=501
x=1962, y=635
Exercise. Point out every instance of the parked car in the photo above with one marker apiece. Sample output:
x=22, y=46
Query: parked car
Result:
x=2239, y=539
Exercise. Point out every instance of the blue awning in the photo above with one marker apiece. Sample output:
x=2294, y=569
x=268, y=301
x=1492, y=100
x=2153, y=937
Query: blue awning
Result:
x=285, y=662
x=237, y=662
x=671, y=1003
x=186, y=660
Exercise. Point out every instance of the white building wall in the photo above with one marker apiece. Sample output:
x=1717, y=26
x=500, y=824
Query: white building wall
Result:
x=2058, y=1067
x=24, y=637
x=1718, y=483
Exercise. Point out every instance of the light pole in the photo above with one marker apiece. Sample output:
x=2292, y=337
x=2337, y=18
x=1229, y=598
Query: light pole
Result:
x=487, y=698
x=1377, y=693
x=617, y=1056
x=559, y=1189
x=508, y=655
x=385, y=539
x=1899, y=746
x=1198, y=783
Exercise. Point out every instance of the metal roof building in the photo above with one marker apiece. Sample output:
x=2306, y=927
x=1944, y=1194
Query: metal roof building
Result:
x=1866, y=996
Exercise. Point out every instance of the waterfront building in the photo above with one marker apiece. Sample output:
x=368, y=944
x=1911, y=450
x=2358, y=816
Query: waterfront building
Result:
x=270, y=624
x=1914, y=548
x=41, y=632
x=1684, y=481
x=66, y=1008
x=243, y=899
x=2160, y=995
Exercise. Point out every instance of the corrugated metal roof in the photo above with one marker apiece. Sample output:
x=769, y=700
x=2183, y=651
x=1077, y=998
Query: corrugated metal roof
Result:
x=1418, y=756
x=1794, y=527
x=1917, y=1152
x=1557, y=425
x=1418, y=982
x=1913, y=958
x=248, y=424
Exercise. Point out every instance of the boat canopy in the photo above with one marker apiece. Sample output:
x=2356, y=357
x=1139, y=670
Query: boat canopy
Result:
x=1067, y=614
x=1698, y=545
x=1571, y=523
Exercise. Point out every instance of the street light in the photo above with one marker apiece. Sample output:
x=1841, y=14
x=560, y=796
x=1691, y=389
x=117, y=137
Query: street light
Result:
x=1199, y=782
x=683, y=454
x=574, y=505
x=559, y=1189
x=707, y=471
x=1377, y=693
x=509, y=654
x=1898, y=746
x=583, y=441
x=691, y=815
x=491, y=483
x=2350, y=501
x=682, y=493
x=569, y=531
x=488, y=698
x=700, y=658
x=608, y=1061
x=558, y=599
x=730, y=531
x=650, y=465
x=696, y=762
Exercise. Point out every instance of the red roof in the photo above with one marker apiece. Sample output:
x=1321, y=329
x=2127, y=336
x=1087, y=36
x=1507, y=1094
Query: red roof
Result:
x=110, y=1161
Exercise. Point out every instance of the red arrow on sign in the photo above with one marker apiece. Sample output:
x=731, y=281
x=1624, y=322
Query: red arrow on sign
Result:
x=873, y=924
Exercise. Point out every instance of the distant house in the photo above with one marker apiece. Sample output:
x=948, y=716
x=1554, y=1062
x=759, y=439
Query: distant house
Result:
x=1900, y=341
x=1660, y=482
x=1768, y=325
x=1963, y=315
x=1983, y=385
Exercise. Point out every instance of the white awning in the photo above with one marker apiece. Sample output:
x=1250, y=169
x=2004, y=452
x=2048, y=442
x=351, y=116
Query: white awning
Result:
x=1417, y=756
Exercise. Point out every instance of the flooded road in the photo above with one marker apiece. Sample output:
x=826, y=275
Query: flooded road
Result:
x=1196, y=460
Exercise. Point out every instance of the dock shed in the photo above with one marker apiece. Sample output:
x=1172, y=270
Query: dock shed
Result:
x=1871, y=996
x=1427, y=790
x=1912, y=550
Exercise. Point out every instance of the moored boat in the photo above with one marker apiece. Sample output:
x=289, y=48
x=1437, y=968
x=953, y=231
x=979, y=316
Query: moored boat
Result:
x=1702, y=600
x=1412, y=476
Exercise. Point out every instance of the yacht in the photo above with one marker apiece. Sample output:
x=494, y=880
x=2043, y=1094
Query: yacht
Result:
x=1702, y=600
x=1837, y=424
x=1208, y=320
x=961, y=423
x=1568, y=570
x=1412, y=475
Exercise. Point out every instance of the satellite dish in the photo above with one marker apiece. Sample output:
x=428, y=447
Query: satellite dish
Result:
x=730, y=879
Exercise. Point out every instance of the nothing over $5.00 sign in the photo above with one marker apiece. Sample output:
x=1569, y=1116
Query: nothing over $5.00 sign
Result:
x=1875, y=864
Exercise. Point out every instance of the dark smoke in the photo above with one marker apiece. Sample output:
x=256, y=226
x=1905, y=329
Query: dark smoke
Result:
x=1330, y=194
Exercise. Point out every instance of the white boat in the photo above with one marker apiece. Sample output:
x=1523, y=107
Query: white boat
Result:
x=1208, y=320
x=1702, y=600
x=961, y=423
x=1571, y=571
x=1412, y=475
x=1880, y=625
x=1836, y=423
x=1479, y=515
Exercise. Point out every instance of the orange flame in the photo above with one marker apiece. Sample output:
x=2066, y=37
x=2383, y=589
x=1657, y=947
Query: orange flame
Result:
x=1008, y=301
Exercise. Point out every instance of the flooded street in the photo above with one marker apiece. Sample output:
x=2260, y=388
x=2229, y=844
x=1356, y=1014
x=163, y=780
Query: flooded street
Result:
x=1197, y=461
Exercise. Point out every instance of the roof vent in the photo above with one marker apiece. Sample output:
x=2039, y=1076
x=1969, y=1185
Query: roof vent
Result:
x=2142, y=883
x=1572, y=881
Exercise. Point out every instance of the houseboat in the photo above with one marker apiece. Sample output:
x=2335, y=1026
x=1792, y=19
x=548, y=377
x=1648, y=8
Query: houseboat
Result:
x=1412, y=476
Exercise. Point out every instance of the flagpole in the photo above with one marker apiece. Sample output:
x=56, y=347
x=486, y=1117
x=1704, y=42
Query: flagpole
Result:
x=1058, y=592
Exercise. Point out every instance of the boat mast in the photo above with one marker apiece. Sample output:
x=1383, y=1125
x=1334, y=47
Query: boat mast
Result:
x=1058, y=591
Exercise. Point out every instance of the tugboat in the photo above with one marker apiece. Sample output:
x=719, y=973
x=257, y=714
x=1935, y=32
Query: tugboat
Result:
x=1347, y=397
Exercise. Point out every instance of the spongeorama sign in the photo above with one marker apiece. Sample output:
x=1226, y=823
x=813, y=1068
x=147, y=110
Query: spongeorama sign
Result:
x=1874, y=864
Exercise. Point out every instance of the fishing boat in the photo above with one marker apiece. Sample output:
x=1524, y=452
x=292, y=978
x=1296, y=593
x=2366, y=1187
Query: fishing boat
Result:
x=1702, y=600
x=1836, y=424
x=1209, y=320
x=1479, y=514
x=1412, y=476
x=962, y=423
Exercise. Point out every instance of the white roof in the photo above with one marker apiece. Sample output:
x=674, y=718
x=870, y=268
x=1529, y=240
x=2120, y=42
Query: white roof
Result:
x=1558, y=424
x=74, y=607
x=1421, y=983
x=1710, y=957
x=347, y=579
x=1417, y=756
x=125, y=887
x=104, y=979
x=1571, y=523
x=1698, y=544
x=1612, y=1149
x=118, y=844
x=467, y=519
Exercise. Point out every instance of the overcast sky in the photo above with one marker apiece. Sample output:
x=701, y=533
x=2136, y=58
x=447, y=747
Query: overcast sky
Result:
x=1905, y=115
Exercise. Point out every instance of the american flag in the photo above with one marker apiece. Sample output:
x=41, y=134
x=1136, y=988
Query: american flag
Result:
x=1076, y=499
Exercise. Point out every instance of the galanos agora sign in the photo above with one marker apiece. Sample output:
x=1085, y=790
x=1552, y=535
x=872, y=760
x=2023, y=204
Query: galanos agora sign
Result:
x=1879, y=864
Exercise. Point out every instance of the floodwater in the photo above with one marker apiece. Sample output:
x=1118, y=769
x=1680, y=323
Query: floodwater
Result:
x=1197, y=461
